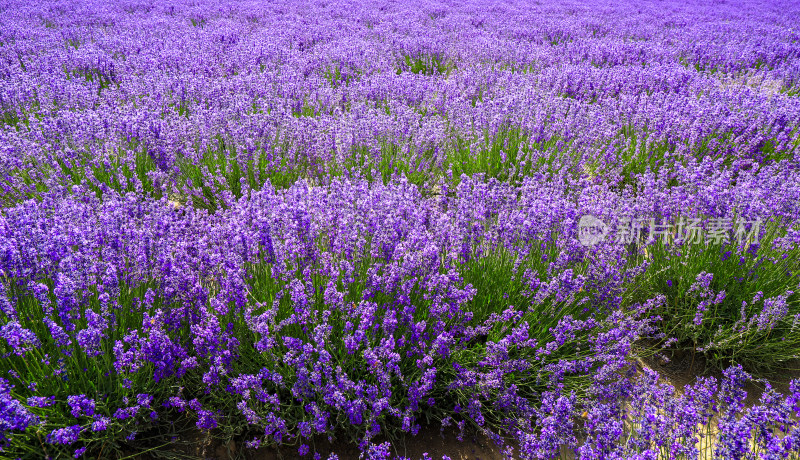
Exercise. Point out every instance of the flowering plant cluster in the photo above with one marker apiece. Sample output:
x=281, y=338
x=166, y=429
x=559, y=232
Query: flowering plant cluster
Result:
x=283, y=221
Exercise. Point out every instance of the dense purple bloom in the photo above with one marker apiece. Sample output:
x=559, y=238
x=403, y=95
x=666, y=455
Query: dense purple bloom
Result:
x=206, y=420
x=67, y=435
x=13, y=415
x=18, y=338
x=101, y=424
x=41, y=401
x=337, y=212
x=81, y=405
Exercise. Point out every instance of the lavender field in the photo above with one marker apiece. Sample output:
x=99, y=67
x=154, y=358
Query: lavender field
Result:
x=569, y=227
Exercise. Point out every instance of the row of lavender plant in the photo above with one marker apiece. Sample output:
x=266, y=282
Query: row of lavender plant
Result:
x=186, y=100
x=352, y=310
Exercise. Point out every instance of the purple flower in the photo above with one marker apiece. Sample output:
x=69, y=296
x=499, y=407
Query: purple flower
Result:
x=206, y=420
x=13, y=415
x=100, y=424
x=81, y=405
x=18, y=338
x=303, y=450
x=68, y=435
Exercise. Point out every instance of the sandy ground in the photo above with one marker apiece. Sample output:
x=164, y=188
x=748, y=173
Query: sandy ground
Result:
x=681, y=369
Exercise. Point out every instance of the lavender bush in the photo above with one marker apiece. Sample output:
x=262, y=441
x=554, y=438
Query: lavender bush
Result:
x=275, y=222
